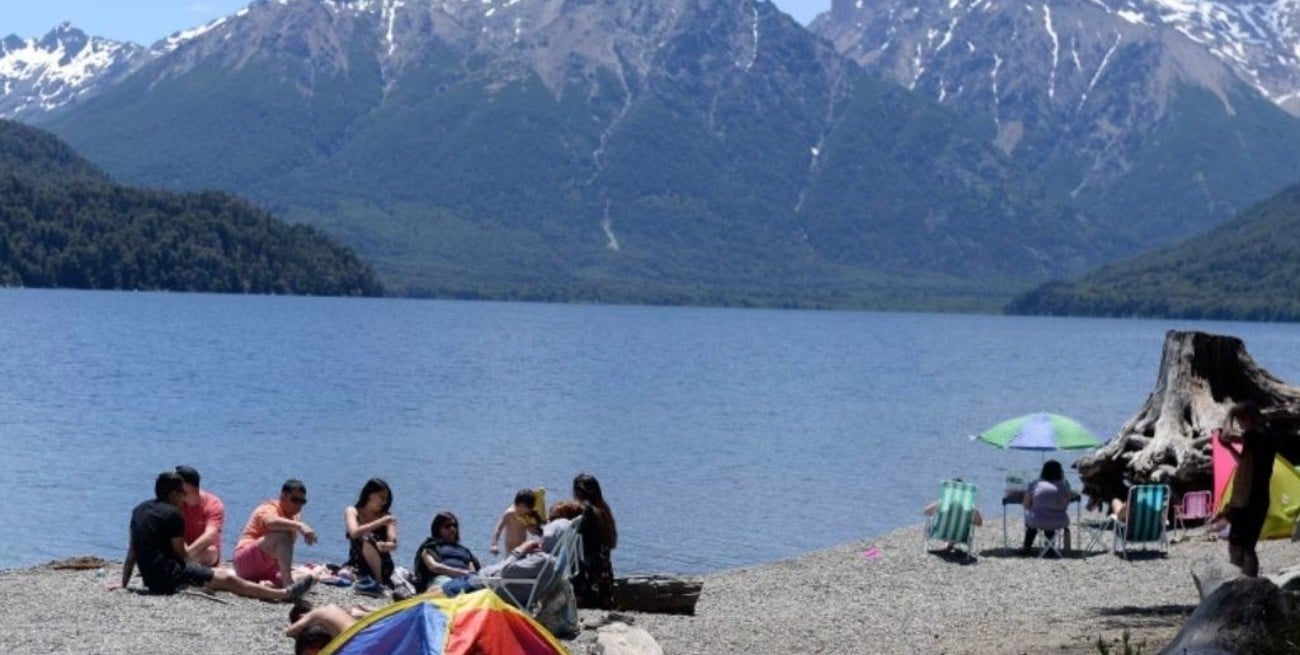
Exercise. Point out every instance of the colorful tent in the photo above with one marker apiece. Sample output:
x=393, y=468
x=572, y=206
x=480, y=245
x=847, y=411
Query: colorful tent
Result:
x=479, y=623
x=1283, y=491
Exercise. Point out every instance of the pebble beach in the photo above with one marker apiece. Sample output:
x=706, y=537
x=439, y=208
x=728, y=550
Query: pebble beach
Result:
x=881, y=595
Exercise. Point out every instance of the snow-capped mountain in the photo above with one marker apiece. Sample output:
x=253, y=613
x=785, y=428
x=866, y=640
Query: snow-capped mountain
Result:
x=513, y=146
x=39, y=77
x=1136, y=109
x=1258, y=40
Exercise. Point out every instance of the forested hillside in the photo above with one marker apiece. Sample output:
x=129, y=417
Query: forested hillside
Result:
x=64, y=224
x=1247, y=269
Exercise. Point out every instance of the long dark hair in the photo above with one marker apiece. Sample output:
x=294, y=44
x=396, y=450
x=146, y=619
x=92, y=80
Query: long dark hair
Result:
x=374, y=486
x=586, y=488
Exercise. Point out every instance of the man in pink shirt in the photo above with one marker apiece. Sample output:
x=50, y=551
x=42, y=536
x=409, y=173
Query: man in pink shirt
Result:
x=265, y=549
x=205, y=516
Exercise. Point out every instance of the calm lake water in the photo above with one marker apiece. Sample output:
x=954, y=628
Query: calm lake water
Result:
x=722, y=437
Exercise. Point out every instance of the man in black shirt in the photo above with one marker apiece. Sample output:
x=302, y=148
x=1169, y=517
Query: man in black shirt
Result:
x=157, y=546
x=1248, y=506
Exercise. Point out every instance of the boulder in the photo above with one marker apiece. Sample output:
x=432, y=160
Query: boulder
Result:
x=1288, y=579
x=1242, y=616
x=619, y=638
x=1210, y=572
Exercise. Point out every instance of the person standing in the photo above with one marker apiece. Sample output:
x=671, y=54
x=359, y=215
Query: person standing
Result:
x=594, y=584
x=265, y=549
x=518, y=522
x=205, y=517
x=157, y=547
x=1248, y=506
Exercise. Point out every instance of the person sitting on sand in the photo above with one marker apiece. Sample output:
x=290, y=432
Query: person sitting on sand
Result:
x=313, y=628
x=157, y=546
x=265, y=549
x=443, y=561
x=977, y=519
x=372, y=532
x=205, y=517
x=1047, y=502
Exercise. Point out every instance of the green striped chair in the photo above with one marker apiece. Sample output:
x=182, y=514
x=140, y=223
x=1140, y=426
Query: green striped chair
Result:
x=1147, y=521
x=954, y=517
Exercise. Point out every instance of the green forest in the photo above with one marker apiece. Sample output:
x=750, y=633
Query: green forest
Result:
x=1247, y=269
x=64, y=224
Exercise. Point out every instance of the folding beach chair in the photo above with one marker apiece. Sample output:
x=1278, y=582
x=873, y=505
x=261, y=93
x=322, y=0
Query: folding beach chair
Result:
x=527, y=592
x=1148, y=511
x=954, y=517
x=1195, y=507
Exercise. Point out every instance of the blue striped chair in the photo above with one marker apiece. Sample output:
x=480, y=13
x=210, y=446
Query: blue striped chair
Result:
x=1147, y=517
x=954, y=517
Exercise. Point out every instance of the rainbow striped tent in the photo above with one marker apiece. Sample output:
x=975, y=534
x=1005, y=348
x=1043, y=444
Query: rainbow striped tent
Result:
x=479, y=623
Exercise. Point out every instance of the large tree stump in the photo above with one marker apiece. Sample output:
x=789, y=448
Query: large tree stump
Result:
x=1201, y=377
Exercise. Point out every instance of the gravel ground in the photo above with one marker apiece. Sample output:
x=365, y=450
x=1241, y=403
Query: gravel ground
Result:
x=830, y=601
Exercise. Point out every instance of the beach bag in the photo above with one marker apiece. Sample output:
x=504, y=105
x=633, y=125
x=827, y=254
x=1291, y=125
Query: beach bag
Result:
x=558, y=611
x=402, y=585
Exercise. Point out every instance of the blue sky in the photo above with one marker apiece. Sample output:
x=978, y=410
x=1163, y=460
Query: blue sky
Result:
x=146, y=21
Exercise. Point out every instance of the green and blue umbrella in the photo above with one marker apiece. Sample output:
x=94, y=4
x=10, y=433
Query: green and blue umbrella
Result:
x=1042, y=432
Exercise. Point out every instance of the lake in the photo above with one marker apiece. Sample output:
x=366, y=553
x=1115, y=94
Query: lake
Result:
x=722, y=437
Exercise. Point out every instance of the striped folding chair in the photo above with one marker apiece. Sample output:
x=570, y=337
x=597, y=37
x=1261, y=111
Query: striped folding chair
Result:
x=1146, y=521
x=954, y=517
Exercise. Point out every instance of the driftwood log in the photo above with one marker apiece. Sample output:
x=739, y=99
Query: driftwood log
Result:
x=658, y=594
x=1201, y=377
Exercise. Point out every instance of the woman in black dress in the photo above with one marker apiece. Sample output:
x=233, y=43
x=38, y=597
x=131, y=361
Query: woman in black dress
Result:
x=594, y=584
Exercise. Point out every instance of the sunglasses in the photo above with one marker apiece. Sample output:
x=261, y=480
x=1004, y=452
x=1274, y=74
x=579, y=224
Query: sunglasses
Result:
x=298, y=500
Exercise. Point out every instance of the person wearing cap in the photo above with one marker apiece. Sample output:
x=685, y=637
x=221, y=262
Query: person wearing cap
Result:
x=157, y=547
x=205, y=517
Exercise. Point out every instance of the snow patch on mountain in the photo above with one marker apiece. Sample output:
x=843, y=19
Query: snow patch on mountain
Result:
x=40, y=76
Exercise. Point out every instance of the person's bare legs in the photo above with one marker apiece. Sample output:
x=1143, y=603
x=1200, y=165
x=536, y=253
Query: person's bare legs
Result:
x=208, y=557
x=279, y=544
x=1118, y=508
x=223, y=580
x=374, y=560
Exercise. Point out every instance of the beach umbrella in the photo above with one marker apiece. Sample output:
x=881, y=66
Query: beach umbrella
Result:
x=1042, y=432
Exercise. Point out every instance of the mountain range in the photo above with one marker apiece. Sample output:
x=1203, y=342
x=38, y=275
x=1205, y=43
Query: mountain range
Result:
x=935, y=154
x=1160, y=118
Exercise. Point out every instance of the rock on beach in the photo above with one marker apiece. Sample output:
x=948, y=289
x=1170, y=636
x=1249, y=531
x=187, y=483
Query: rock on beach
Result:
x=899, y=600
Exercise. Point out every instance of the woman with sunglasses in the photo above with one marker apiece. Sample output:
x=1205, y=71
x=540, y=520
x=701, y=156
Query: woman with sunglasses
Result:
x=443, y=561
